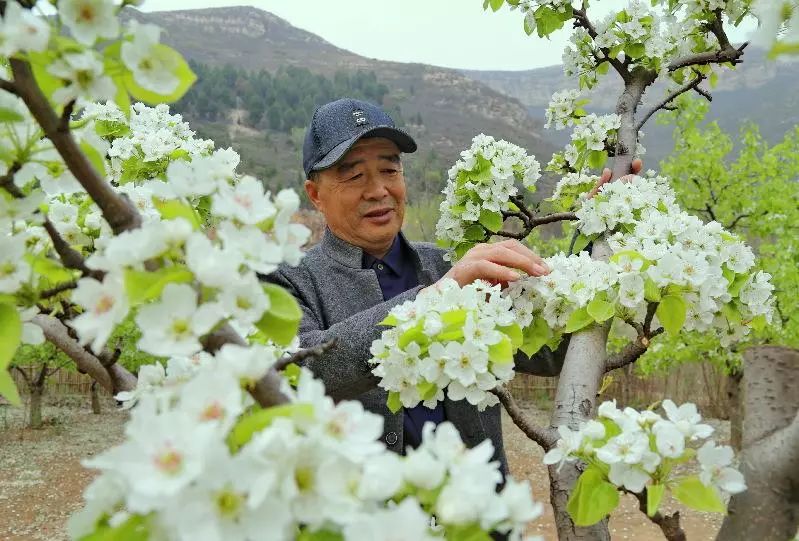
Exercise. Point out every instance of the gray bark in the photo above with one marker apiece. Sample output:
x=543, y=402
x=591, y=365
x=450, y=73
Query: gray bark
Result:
x=35, y=414
x=96, y=406
x=574, y=403
x=769, y=509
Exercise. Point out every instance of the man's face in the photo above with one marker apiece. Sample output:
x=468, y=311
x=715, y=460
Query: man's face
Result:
x=363, y=195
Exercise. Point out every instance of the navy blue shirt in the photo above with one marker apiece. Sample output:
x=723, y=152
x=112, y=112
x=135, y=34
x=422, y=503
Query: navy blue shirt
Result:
x=396, y=274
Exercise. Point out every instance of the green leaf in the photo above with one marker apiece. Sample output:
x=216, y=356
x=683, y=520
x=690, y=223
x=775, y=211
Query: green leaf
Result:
x=48, y=268
x=737, y=284
x=548, y=20
x=535, y=336
x=94, y=157
x=8, y=389
x=501, y=352
x=597, y=158
x=514, y=332
x=135, y=528
x=143, y=286
x=10, y=333
x=581, y=242
x=254, y=422
x=671, y=313
x=491, y=220
x=601, y=309
x=10, y=115
x=654, y=494
x=181, y=70
x=319, y=535
x=635, y=50
x=389, y=321
x=651, y=290
x=496, y=4
x=292, y=374
x=467, y=532
x=427, y=389
x=394, y=403
x=578, y=320
x=170, y=209
x=759, y=322
x=282, y=320
x=592, y=499
x=690, y=491
x=475, y=232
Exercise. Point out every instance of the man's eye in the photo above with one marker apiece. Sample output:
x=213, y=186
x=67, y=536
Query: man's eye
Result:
x=355, y=177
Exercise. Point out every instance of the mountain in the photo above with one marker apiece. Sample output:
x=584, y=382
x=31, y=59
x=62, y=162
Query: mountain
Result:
x=758, y=90
x=443, y=108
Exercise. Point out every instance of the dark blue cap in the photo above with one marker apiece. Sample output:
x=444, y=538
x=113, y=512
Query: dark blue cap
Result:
x=338, y=125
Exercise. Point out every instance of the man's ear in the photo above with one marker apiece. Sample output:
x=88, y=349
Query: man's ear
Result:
x=312, y=189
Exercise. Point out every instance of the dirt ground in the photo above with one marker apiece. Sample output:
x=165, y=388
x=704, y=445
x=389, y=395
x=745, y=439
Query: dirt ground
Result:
x=41, y=479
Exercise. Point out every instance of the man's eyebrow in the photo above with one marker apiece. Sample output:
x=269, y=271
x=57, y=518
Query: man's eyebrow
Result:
x=344, y=167
x=393, y=158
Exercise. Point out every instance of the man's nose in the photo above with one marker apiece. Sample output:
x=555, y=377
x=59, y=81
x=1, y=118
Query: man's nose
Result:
x=375, y=188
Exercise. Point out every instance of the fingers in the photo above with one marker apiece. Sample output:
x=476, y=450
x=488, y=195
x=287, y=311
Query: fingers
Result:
x=511, y=253
x=636, y=166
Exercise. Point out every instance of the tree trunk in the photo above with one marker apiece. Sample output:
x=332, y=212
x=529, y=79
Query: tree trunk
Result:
x=35, y=417
x=735, y=405
x=96, y=408
x=769, y=509
x=575, y=400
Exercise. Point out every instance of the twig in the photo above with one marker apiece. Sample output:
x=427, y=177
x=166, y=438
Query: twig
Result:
x=544, y=437
x=8, y=86
x=304, y=354
x=650, y=314
x=117, y=210
x=66, y=115
x=7, y=181
x=631, y=352
x=60, y=288
x=71, y=259
x=532, y=223
x=671, y=97
x=24, y=375
x=727, y=53
x=668, y=524
x=581, y=19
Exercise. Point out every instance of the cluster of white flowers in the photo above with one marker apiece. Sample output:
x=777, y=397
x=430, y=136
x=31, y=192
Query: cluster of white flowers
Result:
x=642, y=448
x=659, y=255
x=22, y=31
x=563, y=108
x=571, y=187
x=591, y=137
x=453, y=338
x=480, y=186
x=779, y=24
x=199, y=461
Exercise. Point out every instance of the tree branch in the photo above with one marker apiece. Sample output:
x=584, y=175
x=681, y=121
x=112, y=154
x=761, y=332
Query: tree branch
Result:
x=72, y=259
x=581, y=19
x=117, y=210
x=631, y=352
x=8, y=86
x=671, y=97
x=305, y=354
x=544, y=437
x=669, y=524
x=57, y=333
x=23, y=374
x=726, y=53
x=7, y=181
x=60, y=288
x=66, y=116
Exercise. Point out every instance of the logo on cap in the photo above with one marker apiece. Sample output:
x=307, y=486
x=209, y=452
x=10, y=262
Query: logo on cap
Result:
x=360, y=117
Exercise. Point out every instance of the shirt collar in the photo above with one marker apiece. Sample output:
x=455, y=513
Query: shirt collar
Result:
x=392, y=259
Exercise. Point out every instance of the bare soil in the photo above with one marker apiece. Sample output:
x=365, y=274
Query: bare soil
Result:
x=42, y=480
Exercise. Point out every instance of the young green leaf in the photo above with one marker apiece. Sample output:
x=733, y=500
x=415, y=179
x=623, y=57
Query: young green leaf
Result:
x=592, y=499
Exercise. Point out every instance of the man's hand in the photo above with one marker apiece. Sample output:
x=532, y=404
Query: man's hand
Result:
x=635, y=167
x=497, y=263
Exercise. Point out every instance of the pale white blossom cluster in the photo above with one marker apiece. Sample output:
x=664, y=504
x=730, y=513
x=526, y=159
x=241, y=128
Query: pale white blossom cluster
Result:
x=572, y=187
x=641, y=448
x=701, y=277
x=591, y=137
x=778, y=28
x=479, y=188
x=461, y=340
x=200, y=462
x=563, y=108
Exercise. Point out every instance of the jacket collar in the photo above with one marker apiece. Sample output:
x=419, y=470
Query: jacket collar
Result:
x=348, y=254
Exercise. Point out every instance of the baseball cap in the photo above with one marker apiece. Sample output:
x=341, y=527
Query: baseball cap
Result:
x=338, y=125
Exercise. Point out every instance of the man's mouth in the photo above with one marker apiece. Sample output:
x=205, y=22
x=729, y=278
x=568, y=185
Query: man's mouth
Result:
x=378, y=213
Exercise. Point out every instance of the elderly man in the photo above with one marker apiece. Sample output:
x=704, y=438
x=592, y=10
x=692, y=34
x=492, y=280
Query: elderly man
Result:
x=364, y=266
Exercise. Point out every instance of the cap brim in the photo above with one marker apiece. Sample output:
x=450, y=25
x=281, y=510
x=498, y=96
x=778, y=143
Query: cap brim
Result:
x=403, y=141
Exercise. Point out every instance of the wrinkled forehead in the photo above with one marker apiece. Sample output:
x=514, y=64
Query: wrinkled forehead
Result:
x=371, y=148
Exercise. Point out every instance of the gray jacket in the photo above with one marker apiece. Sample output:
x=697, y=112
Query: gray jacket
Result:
x=342, y=301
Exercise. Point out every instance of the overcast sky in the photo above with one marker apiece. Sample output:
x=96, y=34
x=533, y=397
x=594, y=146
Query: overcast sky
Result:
x=450, y=33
